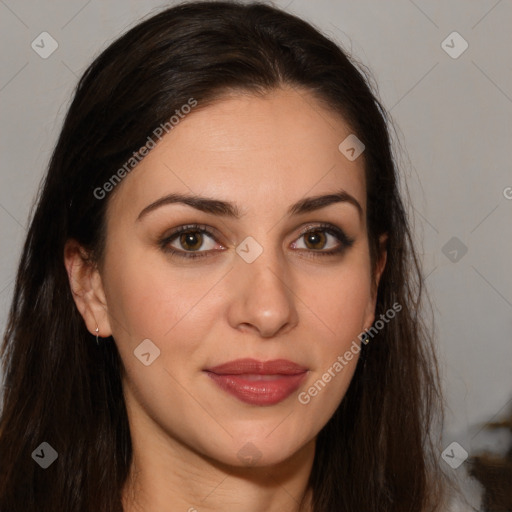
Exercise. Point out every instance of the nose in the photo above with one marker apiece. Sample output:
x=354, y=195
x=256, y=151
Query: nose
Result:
x=263, y=299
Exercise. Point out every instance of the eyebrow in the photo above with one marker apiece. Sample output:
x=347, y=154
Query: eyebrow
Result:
x=226, y=209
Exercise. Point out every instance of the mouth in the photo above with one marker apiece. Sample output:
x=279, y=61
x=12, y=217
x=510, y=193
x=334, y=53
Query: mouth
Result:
x=260, y=383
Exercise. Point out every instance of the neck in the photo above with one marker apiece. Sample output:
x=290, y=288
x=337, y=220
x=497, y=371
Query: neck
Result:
x=166, y=476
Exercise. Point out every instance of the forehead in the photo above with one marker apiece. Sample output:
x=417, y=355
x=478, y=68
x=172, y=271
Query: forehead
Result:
x=262, y=153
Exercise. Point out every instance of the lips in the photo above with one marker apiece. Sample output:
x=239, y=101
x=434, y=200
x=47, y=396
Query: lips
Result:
x=254, y=367
x=258, y=382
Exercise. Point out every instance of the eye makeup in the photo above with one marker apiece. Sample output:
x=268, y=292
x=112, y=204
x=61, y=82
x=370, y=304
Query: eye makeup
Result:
x=192, y=234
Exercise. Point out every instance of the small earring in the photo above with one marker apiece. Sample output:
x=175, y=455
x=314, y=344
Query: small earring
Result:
x=97, y=331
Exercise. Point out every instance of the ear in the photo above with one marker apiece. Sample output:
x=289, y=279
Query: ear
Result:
x=87, y=288
x=379, y=269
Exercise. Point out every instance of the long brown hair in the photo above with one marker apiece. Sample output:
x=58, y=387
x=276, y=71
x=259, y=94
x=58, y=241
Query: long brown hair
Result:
x=376, y=453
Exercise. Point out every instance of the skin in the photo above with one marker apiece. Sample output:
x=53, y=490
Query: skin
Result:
x=264, y=154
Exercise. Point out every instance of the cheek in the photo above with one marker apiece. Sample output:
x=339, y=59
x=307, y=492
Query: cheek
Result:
x=340, y=299
x=164, y=307
x=339, y=309
x=177, y=309
x=149, y=297
x=344, y=300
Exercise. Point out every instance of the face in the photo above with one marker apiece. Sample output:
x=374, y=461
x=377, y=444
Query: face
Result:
x=263, y=273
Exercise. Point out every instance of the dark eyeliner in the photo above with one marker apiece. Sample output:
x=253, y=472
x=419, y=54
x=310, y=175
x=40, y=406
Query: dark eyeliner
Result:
x=345, y=241
x=195, y=228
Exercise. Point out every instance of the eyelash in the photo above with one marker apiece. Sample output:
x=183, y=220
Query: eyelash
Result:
x=346, y=242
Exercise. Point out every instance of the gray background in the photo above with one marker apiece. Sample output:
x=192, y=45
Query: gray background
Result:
x=454, y=120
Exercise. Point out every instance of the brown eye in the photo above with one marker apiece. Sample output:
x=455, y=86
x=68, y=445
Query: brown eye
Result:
x=315, y=240
x=323, y=240
x=191, y=240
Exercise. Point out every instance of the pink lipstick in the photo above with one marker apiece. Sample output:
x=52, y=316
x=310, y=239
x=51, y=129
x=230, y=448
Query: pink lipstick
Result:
x=258, y=382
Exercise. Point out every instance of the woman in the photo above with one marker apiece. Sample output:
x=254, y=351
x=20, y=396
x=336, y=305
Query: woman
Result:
x=218, y=302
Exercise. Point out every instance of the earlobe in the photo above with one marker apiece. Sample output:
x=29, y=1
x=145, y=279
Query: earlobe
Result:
x=87, y=289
